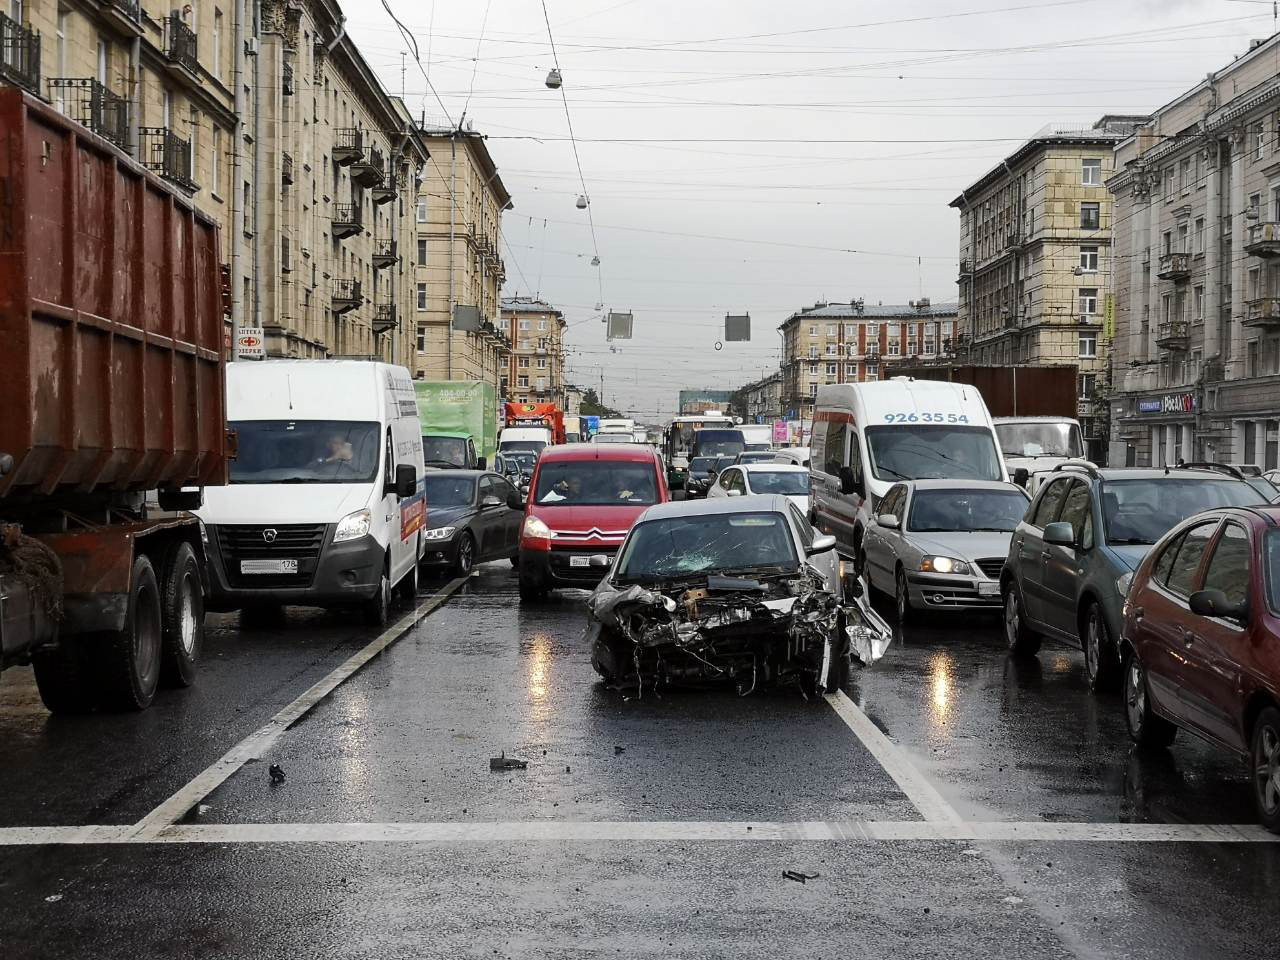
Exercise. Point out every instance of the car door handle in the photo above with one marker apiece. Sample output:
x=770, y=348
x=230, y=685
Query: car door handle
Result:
x=1045, y=555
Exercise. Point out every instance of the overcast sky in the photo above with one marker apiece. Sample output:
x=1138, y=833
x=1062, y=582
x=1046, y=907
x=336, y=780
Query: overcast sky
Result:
x=756, y=156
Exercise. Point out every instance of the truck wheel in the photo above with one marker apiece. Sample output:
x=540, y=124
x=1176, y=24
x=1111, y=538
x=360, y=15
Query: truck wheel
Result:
x=181, y=615
x=376, y=607
x=130, y=658
x=63, y=677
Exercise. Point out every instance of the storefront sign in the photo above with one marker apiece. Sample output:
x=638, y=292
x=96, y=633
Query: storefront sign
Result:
x=1170, y=403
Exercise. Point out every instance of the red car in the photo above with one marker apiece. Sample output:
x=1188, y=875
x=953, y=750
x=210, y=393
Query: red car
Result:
x=1201, y=642
x=583, y=498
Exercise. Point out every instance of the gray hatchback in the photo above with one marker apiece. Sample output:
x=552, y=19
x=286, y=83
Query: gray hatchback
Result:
x=1072, y=556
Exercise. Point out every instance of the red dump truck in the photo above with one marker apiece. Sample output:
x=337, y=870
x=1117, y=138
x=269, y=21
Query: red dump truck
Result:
x=112, y=416
x=523, y=415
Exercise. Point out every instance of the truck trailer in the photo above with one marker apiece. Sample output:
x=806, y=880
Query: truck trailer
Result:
x=112, y=390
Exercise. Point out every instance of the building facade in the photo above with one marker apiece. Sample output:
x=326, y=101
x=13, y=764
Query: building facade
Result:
x=761, y=400
x=459, y=269
x=536, y=370
x=846, y=342
x=1196, y=359
x=1036, y=257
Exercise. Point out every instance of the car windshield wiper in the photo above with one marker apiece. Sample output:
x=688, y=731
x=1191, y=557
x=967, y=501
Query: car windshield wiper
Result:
x=900, y=476
x=1130, y=541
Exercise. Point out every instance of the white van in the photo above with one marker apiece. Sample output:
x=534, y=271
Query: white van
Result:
x=868, y=436
x=758, y=436
x=325, y=503
x=524, y=440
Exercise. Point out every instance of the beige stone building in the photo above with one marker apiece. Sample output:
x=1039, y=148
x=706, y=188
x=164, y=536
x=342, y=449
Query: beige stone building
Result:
x=458, y=266
x=1196, y=357
x=1035, y=257
x=761, y=400
x=276, y=129
x=846, y=343
x=536, y=372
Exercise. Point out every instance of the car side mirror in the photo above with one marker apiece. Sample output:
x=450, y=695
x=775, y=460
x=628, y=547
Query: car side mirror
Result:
x=482, y=463
x=1214, y=603
x=515, y=501
x=821, y=545
x=1021, y=476
x=887, y=520
x=406, y=481
x=491, y=501
x=1060, y=533
x=734, y=493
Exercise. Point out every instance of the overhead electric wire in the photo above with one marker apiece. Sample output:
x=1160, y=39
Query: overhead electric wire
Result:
x=475, y=61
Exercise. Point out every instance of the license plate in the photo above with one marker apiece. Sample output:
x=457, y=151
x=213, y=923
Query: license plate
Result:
x=579, y=561
x=268, y=566
x=988, y=589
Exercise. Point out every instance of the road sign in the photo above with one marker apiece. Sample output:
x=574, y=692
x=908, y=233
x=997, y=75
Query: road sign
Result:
x=737, y=326
x=251, y=344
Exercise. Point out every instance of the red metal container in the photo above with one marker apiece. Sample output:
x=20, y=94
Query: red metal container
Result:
x=111, y=328
x=1009, y=391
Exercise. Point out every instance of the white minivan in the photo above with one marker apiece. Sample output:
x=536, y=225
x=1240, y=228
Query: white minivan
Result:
x=324, y=506
x=869, y=436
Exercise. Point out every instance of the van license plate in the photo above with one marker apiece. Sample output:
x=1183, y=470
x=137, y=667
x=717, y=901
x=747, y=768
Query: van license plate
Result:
x=579, y=561
x=268, y=566
x=988, y=589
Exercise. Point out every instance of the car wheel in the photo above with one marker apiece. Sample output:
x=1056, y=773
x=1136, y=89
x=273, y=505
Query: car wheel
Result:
x=1145, y=728
x=377, y=607
x=902, y=598
x=1099, y=650
x=1021, y=640
x=182, y=615
x=466, y=558
x=1266, y=768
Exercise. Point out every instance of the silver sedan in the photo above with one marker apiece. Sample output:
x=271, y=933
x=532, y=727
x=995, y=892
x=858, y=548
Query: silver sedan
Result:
x=940, y=544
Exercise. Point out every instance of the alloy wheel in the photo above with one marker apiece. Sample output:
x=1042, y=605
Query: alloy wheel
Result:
x=1266, y=768
x=1012, y=623
x=1135, y=695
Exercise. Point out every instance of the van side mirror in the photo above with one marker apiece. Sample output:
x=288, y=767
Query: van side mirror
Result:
x=1021, y=476
x=482, y=463
x=1060, y=533
x=1214, y=603
x=406, y=482
x=849, y=482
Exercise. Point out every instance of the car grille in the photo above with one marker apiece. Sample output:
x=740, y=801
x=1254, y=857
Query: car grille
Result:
x=991, y=566
x=295, y=541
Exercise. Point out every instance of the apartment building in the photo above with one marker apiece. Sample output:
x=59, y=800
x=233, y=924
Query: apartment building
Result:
x=761, y=400
x=458, y=267
x=1196, y=357
x=536, y=371
x=846, y=342
x=1035, y=256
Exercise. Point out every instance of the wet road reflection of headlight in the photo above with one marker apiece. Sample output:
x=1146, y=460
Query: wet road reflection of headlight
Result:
x=539, y=667
x=940, y=684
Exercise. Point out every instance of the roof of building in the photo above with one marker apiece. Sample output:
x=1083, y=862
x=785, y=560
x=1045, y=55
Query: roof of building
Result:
x=854, y=311
x=528, y=305
x=432, y=130
x=1108, y=131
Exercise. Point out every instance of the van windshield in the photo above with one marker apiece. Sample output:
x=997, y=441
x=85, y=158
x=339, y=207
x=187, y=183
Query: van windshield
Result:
x=1040, y=439
x=933, y=452
x=596, y=482
x=710, y=443
x=533, y=446
x=306, y=451
x=444, y=451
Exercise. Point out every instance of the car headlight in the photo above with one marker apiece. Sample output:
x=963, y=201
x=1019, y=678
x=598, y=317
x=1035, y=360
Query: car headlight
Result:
x=439, y=533
x=353, y=526
x=1122, y=583
x=535, y=529
x=943, y=565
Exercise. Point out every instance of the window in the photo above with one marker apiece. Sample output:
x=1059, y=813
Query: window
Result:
x=1257, y=141
x=1087, y=384
x=813, y=329
x=522, y=363
x=422, y=210
x=1254, y=283
x=422, y=296
x=1199, y=303
x=422, y=338
x=1251, y=360
x=1184, y=238
x=61, y=54
x=1275, y=203
x=1186, y=562
x=542, y=363
x=1199, y=236
x=813, y=353
x=1088, y=345
x=1168, y=183
x=833, y=452
x=1228, y=568
x=1091, y=172
x=895, y=345
x=1185, y=175
x=1090, y=216
x=1076, y=510
x=831, y=349
x=1166, y=242
x=831, y=329
x=1088, y=301
x=831, y=369
x=215, y=162
x=1255, y=204
x=541, y=385
x=542, y=324
x=850, y=369
x=1047, y=509
x=813, y=389
x=522, y=382
x=1089, y=259
x=217, y=44
x=193, y=128
x=104, y=61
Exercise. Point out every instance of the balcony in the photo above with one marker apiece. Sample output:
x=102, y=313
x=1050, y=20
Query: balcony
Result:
x=387, y=190
x=286, y=80
x=346, y=296
x=1263, y=312
x=124, y=15
x=1173, y=335
x=966, y=268
x=286, y=169
x=90, y=103
x=384, y=254
x=19, y=55
x=164, y=152
x=872, y=353
x=346, y=221
x=1174, y=266
x=368, y=171
x=1013, y=240
x=348, y=146
x=180, y=46
x=1263, y=240
x=384, y=318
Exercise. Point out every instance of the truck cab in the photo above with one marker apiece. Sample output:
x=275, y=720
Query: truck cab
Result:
x=1035, y=444
x=446, y=450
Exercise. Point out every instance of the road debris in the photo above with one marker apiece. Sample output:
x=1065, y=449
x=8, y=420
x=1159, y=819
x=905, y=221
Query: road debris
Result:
x=503, y=762
x=276, y=773
x=798, y=876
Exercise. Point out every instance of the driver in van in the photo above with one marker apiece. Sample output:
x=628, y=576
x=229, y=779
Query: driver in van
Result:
x=338, y=449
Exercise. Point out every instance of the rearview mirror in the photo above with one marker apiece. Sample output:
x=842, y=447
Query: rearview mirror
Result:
x=1060, y=533
x=821, y=545
x=482, y=463
x=515, y=501
x=1021, y=476
x=1214, y=603
x=887, y=520
x=406, y=481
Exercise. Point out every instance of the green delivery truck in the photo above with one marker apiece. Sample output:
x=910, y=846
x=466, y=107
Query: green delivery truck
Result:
x=459, y=422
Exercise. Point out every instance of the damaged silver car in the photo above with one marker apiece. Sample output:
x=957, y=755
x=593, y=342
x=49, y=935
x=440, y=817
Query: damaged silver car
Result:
x=739, y=590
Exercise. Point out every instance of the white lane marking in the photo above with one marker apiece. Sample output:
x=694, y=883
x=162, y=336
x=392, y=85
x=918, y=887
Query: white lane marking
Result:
x=487, y=832
x=922, y=794
x=261, y=740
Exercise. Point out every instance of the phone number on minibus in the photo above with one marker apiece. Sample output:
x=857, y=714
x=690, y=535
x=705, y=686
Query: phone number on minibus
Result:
x=926, y=418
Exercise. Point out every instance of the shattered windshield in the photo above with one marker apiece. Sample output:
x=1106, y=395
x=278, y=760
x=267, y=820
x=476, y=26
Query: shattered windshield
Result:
x=727, y=543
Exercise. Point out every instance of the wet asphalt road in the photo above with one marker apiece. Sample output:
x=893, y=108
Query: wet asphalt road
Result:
x=407, y=741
